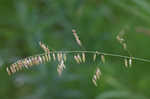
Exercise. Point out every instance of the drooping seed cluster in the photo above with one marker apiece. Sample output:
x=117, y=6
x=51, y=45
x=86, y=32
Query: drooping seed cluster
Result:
x=61, y=58
x=44, y=47
x=96, y=76
x=28, y=62
x=61, y=67
x=76, y=37
x=121, y=39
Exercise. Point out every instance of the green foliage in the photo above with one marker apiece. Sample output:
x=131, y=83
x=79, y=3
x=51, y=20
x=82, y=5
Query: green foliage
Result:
x=23, y=23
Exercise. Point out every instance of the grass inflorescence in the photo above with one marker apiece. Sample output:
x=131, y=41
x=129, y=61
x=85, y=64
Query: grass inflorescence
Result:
x=79, y=56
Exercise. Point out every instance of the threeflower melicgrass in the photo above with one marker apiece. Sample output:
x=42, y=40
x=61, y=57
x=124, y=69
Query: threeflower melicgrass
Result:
x=79, y=57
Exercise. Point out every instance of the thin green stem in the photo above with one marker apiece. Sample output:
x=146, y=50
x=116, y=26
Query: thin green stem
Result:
x=99, y=53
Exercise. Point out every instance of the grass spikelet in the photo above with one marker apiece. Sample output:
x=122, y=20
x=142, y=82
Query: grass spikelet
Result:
x=61, y=67
x=130, y=62
x=43, y=46
x=46, y=56
x=94, y=57
x=8, y=71
x=126, y=63
x=49, y=57
x=120, y=39
x=76, y=59
x=54, y=57
x=79, y=58
x=64, y=57
x=43, y=59
x=20, y=65
x=76, y=37
x=40, y=59
x=35, y=61
x=16, y=66
x=59, y=56
x=25, y=62
x=12, y=69
x=83, y=57
x=103, y=59
x=30, y=60
x=96, y=76
x=124, y=46
x=94, y=80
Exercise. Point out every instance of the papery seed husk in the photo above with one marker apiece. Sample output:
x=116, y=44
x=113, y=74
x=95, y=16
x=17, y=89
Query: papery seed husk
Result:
x=77, y=60
x=54, y=57
x=58, y=57
x=76, y=37
x=83, y=57
x=46, y=58
x=49, y=57
x=40, y=59
x=103, y=58
x=43, y=58
x=98, y=73
x=124, y=46
x=64, y=57
x=12, y=69
x=19, y=65
x=94, y=57
x=8, y=71
x=126, y=63
x=130, y=62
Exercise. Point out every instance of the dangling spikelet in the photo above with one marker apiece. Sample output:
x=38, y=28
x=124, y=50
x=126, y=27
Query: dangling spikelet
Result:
x=20, y=65
x=35, y=61
x=79, y=58
x=94, y=57
x=43, y=46
x=49, y=57
x=16, y=66
x=126, y=63
x=130, y=62
x=76, y=37
x=94, y=80
x=40, y=59
x=98, y=73
x=54, y=57
x=83, y=57
x=59, y=56
x=124, y=46
x=103, y=59
x=61, y=67
x=43, y=58
x=96, y=76
x=25, y=63
x=120, y=39
x=8, y=71
x=30, y=60
x=12, y=69
x=64, y=57
x=76, y=58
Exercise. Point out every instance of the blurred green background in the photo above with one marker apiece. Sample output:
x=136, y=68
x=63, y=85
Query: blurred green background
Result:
x=23, y=23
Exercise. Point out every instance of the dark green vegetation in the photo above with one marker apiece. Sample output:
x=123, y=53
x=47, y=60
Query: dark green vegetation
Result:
x=23, y=23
